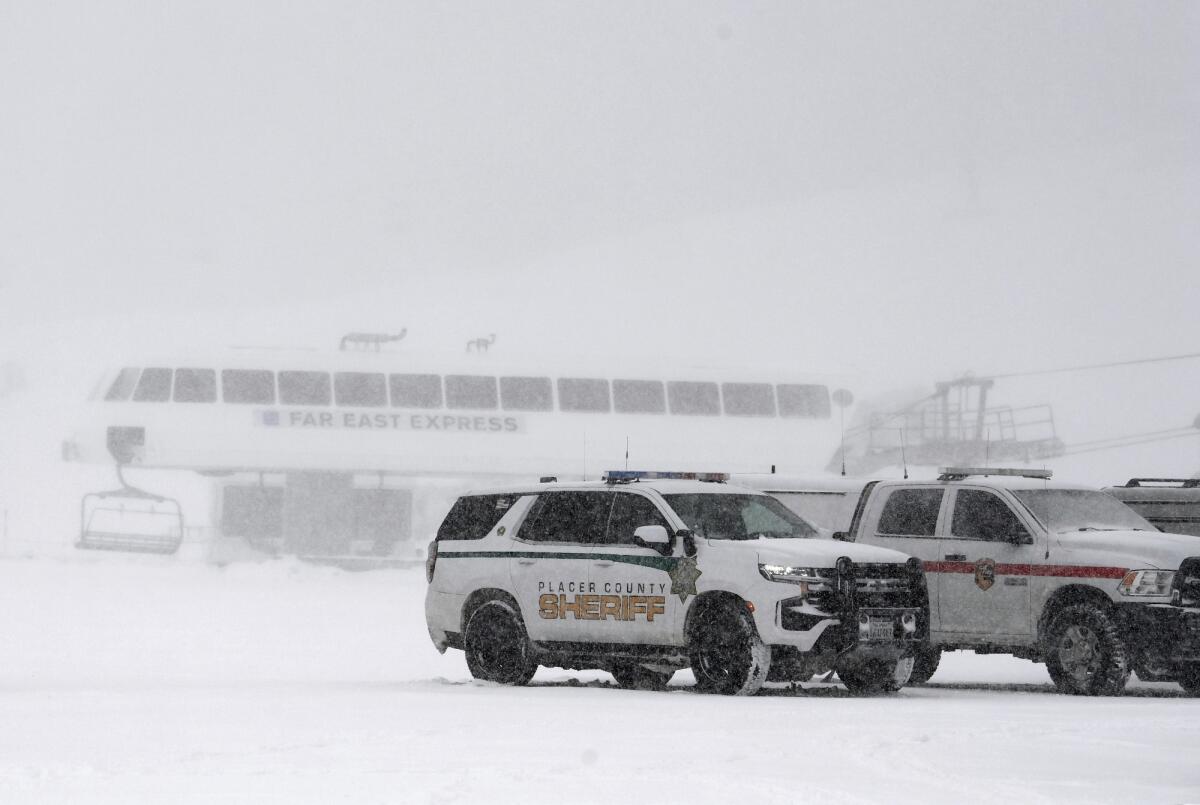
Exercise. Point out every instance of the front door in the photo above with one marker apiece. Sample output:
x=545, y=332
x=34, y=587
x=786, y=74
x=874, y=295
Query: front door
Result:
x=988, y=553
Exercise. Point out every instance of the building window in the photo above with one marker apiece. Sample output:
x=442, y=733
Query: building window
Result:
x=416, y=391
x=255, y=386
x=639, y=397
x=748, y=399
x=471, y=391
x=360, y=388
x=195, y=385
x=697, y=399
x=526, y=394
x=304, y=388
x=811, y=402
x=154, y=386
x=583, y=394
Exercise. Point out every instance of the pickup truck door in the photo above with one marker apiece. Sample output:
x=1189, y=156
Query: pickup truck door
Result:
x=983, y=573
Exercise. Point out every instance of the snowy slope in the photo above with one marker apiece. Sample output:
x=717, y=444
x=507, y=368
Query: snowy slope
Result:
x=130, y=679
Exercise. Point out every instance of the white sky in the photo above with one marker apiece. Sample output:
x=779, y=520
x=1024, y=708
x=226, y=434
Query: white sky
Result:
x=904, y=190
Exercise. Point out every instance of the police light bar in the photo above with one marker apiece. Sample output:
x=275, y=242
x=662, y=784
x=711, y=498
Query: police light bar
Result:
x=627, y=476
x=959, y=473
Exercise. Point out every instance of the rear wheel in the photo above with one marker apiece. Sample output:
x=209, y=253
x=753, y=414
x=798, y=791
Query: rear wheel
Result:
x=497, y=647
x=638, y=677
x=925, y=664
x=1189, y=679
x=876, y=676
x=727, y=654
x=1085, y=654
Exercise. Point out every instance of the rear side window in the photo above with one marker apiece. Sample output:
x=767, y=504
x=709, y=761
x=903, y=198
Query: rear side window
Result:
x=154, y=386
x=195, y=385
x=474, y=516
x=568, y=517
x=122, y=387
x=911, y=512
x=304, y=388
x=360, y=388
x=256, y=386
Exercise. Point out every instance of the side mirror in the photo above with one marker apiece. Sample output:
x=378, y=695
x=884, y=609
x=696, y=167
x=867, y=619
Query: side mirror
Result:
x=689, y=542
x=654, y=537
x=841, y=536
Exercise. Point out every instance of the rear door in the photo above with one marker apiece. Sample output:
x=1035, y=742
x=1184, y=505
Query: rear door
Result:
x=552, y=561
x=907, y=521
x=634, y=583
x=989, y=554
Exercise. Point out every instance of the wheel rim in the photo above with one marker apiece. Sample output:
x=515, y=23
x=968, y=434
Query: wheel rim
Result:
x=1079, y=652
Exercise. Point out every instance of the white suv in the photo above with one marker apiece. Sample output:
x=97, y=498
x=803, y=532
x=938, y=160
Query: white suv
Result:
x=644, y=573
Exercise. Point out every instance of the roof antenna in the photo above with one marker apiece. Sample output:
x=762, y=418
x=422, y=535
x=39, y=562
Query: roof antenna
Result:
x=903, y=457
x=842, y=418
x=987, y=446
x=626, y=452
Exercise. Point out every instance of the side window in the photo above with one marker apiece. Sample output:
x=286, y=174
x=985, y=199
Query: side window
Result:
x=360, y=388
x=471, y=391
x=416, y=391
x=474, y=516
x=122, y=387
x=911, y=512
x=694, y=398
x=583, y=394
x=304, y=388
x=982, y=515
x=525, y=394
x=255, y=386
x=154, y=386
x=569, y=517
x=639, y=397
x=195, y=385
x=629, y=512
x=810, y=402
x=748, y=399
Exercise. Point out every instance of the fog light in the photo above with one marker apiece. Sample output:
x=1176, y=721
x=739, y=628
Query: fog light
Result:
x=909, y=622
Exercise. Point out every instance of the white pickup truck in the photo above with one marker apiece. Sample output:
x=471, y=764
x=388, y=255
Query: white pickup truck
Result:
x=1020, y=564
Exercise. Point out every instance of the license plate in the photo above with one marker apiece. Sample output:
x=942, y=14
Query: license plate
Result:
x=881, y=629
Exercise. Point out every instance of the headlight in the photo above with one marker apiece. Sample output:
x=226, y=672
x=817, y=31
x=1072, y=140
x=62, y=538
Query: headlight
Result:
x=813, y=578
x=1147, y=582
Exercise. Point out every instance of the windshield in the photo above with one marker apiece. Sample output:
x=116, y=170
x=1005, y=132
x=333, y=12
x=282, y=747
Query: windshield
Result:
x=739, y=517
x=1081, y=510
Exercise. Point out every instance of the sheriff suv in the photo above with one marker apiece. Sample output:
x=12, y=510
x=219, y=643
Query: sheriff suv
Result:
x=1053, y=572
x=647, y=573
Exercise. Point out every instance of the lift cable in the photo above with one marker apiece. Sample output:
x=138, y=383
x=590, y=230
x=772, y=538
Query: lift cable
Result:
x=1113, y=364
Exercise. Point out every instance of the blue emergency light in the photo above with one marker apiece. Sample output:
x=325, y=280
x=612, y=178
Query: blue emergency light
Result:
x=628, y=476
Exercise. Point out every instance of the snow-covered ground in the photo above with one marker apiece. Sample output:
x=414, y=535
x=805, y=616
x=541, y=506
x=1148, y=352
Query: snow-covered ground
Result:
x=143, y=679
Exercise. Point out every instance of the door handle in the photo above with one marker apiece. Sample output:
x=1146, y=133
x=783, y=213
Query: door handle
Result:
x=603, y=563
x=526, y=561
x=956, y=557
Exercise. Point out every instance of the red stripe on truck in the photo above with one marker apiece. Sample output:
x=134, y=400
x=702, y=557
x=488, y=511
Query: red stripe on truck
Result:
x=1062, y=571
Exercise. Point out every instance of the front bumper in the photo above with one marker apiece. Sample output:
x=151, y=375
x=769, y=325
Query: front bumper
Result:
x=1161, y=634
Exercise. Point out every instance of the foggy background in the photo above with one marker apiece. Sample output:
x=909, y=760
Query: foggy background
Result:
x=900, y=192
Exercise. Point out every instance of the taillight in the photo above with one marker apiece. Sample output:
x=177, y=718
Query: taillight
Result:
x=430, y=560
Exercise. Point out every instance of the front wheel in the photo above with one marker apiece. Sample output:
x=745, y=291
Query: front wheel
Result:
x=876, y=676
x=1085, y=654
x=497, y=647
x=727, y=654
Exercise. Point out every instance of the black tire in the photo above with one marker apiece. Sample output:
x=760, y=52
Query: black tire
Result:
x=1189, y=679
x=496, y=645
x=727, y=655
x=1085, y=653
x=926, y=659
x=638, y=677
x=876, y=676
